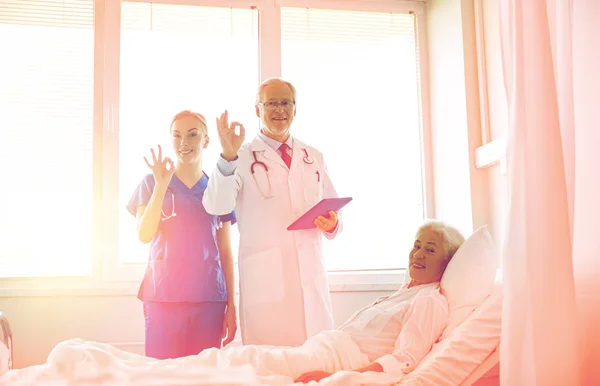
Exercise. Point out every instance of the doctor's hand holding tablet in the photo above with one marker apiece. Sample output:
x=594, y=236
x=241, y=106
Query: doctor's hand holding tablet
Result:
x=285, y=202
x=327, y=224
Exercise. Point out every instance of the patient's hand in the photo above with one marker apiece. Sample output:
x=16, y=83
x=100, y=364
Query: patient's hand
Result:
x=312, y=376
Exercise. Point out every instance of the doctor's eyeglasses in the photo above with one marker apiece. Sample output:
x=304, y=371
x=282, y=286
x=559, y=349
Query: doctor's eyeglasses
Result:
x=272, y=105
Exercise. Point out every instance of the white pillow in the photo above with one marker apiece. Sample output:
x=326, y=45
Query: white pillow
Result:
x=469, y=278
x=466, y=350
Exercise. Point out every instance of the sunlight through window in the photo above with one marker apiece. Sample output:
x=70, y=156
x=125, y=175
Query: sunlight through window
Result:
x=176, y=57
x=46, y=132
x=358, y=102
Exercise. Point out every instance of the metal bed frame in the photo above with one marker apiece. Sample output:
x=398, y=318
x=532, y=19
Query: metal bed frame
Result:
x=7, y=338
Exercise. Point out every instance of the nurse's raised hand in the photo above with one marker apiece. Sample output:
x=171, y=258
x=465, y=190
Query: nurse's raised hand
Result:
x=162, y=169
x=230, y=140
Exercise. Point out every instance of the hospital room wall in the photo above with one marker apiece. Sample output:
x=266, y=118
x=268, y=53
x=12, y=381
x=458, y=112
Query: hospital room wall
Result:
x=463, y=195
x=497, y=112
x=467, y=110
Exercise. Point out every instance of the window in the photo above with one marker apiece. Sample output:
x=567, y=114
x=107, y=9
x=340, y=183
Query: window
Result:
x=46, y=130
x=176, y=57
x=360, y=90
x=80, y=106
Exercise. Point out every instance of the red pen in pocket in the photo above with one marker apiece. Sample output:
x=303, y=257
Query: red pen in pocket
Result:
x=318, y=176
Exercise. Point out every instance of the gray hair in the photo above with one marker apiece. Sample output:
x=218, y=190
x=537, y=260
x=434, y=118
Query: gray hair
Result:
x=267, y=82
x=452, y=237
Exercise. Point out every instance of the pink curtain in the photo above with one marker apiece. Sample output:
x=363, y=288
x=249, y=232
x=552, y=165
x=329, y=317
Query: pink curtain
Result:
x=551, y=315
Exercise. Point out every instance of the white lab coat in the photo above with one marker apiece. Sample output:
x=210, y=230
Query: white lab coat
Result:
x=284, y=293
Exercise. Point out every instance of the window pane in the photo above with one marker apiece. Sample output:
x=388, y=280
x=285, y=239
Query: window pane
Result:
x=46, y=132
x=356, y=76
x=176, y=57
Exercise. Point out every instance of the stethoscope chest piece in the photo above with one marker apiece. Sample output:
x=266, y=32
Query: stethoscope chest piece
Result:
x=307, y=160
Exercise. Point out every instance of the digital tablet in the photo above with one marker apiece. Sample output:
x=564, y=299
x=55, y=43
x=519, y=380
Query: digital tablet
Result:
x=307, y=220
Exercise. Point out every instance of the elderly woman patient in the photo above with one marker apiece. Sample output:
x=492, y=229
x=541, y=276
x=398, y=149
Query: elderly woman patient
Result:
x=392, y=335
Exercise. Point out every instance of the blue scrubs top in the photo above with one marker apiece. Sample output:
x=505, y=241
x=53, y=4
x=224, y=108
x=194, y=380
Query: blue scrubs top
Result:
x=184, y=261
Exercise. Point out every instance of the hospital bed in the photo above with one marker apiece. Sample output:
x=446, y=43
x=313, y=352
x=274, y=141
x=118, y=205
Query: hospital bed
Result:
x=465, y=355
x=487, y=373
x=468, y=356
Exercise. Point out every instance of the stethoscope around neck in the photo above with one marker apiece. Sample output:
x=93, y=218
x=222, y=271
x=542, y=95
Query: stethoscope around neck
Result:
x=164, y=216
x=307, y=160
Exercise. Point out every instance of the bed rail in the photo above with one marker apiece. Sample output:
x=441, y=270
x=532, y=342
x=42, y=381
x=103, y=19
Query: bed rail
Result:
x=7, y=338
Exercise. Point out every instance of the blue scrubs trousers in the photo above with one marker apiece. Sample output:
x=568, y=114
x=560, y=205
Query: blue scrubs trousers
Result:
x=176, y=330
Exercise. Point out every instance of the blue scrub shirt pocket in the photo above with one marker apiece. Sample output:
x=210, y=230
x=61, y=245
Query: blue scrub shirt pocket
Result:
x=266, y=269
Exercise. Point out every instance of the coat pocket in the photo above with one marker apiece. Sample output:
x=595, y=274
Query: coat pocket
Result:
x=261, y=278
x=313, y=186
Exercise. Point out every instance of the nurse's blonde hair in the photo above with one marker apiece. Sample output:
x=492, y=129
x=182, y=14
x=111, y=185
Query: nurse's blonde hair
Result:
x=189, y=113
x=452, y=237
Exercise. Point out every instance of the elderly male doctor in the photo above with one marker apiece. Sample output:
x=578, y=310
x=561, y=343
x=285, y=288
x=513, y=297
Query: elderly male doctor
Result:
x=270, y=182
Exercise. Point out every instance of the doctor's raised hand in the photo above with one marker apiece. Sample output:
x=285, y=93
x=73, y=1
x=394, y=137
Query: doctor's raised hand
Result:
x=162, y=169
x=230, y=140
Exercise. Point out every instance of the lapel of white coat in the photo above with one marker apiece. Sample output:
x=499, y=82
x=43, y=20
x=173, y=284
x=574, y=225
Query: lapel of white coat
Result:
x=297, y=155
x=298, y=167
x=267, y=151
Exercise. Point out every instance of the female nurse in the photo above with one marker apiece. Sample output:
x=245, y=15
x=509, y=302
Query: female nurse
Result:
x=188, y=288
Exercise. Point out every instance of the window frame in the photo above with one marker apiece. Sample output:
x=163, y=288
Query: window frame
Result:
x=108, y=275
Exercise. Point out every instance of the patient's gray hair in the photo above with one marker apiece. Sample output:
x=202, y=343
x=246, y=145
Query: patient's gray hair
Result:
x=452, y=237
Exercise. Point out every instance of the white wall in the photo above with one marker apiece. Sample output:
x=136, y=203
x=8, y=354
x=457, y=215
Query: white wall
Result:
x=468, y=110
x=497, y=111
x=461, y=190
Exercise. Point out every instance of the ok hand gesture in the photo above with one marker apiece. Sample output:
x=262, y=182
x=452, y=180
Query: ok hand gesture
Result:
x=230, y=141
x=162, y=169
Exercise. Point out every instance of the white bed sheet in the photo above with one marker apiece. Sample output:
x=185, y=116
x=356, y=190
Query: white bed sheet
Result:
x=107, y=371
x=77, y=362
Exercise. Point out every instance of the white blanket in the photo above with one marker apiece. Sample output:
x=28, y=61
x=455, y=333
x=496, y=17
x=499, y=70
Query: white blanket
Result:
x=77, y=362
